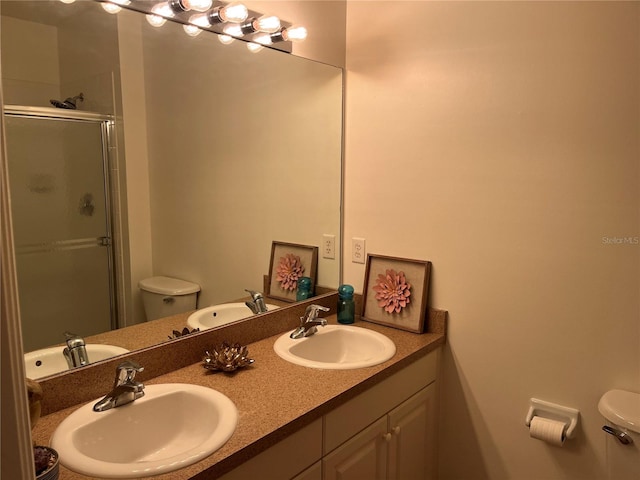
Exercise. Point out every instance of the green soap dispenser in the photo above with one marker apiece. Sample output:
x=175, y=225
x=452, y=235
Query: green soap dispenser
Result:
x=346, y=305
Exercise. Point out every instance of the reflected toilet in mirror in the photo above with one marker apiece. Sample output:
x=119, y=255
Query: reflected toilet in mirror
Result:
x=166, y=296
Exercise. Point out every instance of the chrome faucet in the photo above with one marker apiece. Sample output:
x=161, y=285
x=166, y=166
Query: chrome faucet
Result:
x=257, y=304
x=309, y=322
x=125, y=388
x=75, y=352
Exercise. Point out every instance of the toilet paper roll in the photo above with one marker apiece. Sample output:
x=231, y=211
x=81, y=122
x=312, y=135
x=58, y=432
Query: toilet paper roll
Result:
x=551, y=431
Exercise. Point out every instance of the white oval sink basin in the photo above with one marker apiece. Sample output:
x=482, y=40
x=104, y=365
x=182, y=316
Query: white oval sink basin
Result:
x=336, y=347
x=172, y=426
x=222, y=314
x=47, y=361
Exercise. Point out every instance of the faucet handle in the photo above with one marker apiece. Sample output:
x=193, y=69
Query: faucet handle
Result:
x=73, y=340
x=254, y=295
x=126, y=372
x=312, y=311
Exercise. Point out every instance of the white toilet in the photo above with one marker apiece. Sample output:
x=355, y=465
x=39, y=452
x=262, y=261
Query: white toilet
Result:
x=621, y=409
x=166, y=296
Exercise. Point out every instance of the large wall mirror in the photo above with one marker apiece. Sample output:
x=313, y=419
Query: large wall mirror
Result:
x=212, y=153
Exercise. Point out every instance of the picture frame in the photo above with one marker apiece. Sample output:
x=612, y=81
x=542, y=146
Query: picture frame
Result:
x=387, y=281
x=286, y=255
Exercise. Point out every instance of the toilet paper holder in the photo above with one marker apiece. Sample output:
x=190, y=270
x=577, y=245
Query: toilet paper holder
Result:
x=553, y=411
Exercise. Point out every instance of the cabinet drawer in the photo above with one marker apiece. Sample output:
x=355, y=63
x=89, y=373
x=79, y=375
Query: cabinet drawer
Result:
x=354, y=415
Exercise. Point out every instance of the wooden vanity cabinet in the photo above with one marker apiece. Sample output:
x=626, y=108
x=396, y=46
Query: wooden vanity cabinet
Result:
x=398, y=446
x=387, y=432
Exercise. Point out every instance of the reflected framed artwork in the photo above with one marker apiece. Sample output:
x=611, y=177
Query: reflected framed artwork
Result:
x=396, y=292
x=289, y=262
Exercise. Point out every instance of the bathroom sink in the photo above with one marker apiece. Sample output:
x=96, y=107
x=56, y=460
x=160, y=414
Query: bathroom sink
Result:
x=172, y=426
x=47, y=361
x=336, y=347
x=222, y=314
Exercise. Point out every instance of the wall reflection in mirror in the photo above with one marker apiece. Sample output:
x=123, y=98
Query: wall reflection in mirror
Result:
x=184, y=157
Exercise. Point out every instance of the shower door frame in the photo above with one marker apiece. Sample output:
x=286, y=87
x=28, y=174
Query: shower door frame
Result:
x=107, y=136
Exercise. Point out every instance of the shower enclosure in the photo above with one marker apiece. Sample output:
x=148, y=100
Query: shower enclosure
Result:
x=59, y=182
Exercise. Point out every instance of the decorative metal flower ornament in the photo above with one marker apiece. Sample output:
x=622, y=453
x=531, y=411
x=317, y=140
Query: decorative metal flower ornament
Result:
x=227, y=357
x=185, y=331
x=392, y=291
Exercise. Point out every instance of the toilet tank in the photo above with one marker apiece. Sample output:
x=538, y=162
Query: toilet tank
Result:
x=621, y=410
x=166, y=296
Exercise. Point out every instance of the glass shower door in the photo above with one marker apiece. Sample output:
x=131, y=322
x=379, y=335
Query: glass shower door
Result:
x=60, y=209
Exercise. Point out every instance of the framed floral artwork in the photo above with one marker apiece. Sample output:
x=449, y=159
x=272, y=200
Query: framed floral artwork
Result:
x=395, y=292
x=289, y=262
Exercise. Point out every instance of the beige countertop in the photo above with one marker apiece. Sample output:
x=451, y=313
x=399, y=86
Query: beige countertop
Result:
x=274, y=397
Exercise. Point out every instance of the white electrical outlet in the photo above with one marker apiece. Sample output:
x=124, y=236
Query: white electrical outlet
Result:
x=358, y=251
x=328, y=246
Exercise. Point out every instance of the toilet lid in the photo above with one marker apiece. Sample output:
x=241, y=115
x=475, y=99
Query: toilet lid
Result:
x=621, y=408
x=168, y=286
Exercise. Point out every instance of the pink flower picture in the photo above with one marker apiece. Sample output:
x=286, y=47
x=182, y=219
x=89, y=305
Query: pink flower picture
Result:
x=289, y=270
x=392, y=291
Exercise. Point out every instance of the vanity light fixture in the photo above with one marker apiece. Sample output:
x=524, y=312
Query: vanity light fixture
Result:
x=179, y=6
x=233, y=12
x=265, y=23
x=159, y=14
x=162, y=11
x=254, y=47
x=233, y=30
x=262, y=38
x=228, y=20
x=113, y=6
x=294, y=33
x=225, y=39
x=192, y=30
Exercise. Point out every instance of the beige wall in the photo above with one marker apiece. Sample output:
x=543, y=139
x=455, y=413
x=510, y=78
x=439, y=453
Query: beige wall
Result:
x=507, y=136
x=31, y=82
x=134, y=184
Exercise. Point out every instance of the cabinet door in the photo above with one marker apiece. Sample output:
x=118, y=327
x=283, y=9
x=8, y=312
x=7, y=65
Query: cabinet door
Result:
x=362, y=457
x=412, y=452
x=314, y=472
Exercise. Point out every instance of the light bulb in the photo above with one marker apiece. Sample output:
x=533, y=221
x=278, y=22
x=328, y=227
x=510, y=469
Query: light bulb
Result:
x=234, y=12
x=67, y=1
x=197, y=5
x=262, y=39
x=110, y=7
x=200, y=20
x=254, y=47
x=295, y=33
x=163, y=10
x=234, y=30
x=159, y=14
x=267, y=24
x=225, y=39
x=192, y=30
x=156, y=20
